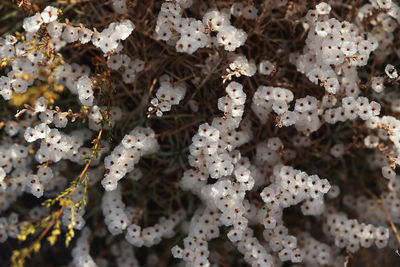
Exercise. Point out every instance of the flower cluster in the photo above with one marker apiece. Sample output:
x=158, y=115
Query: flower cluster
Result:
x=140, y=141
x=124, y=255
x=107, y=40
x=189, y=34
x=131, y=67
x=352, y=234
x=81, y=251
x=166, y=96
x=267, y=99
x=9, y=227
x=152, y=235
x=242, y=66
x=317, y=253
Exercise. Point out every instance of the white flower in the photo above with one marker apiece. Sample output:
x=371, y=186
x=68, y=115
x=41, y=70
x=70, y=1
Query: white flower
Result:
x=49, y=14
x=32, y=24
x=85, y=91
x=2, y=174
x=40, y=105
x=322, y=28
x=266, y=67
x=30, y=135
x=323, y=8
x=391, y=71
x=242, y=174
x=332, y=85
x=377, y=84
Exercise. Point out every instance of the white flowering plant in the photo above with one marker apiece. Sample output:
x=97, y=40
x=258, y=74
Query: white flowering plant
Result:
x=199, y=133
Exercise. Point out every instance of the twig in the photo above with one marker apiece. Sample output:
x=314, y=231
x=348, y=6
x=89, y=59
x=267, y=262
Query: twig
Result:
x=57, y=214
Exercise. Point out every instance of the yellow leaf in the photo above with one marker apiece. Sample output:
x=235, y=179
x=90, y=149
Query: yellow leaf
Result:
x=52, y=239
x=58, y=88
x=36, y=246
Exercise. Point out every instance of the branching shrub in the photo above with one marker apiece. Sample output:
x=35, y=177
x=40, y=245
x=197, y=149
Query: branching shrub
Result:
x=199, y=133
